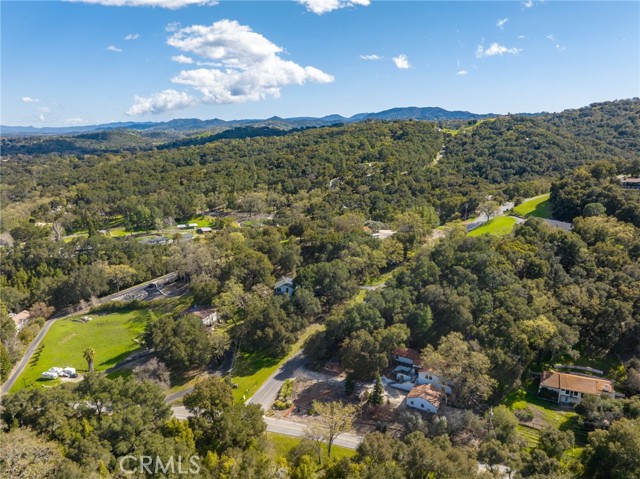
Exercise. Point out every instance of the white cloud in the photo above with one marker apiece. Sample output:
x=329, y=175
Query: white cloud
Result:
x=324, y=6
x=462, y=73
x=132, y=36
x=370, y=57
x=28, y=99
x=182, y=59
x=402, y=61
x=495, y=49
x=74, y=121
x=113, y=48
x=522, y=37
x=551, y=37
x=172, y=27
x=527, y=4
x=167, y=100
x=43, y=113
x=170, y=4
x=248, y=65
x=501, y=23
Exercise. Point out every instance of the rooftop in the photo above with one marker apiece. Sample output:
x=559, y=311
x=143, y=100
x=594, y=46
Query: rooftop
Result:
x=408, y=353
x=428, y=392
x=576, y=382
x=282, y=281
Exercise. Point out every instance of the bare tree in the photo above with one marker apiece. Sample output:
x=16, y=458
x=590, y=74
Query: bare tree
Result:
x=336, y=417
x=58, y=230
x=153, y=371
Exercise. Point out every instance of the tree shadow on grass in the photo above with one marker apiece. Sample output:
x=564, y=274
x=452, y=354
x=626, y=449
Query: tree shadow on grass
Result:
x=580, y=432
x=116, y=359
x=249, y=364
x=543, y=210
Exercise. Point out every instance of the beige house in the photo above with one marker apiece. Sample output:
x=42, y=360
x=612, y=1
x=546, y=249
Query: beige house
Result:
x=571, y=388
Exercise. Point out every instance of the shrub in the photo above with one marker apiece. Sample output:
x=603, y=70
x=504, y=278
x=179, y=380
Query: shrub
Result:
x=284, y=396
x=524, y=415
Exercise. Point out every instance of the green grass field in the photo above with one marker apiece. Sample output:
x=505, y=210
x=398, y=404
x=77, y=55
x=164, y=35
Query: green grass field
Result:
x=552, y=415
x=283, y=444
x=253, y=369
x=538, y=206
x=498, y=226
x=200, y=220
x=111, y=335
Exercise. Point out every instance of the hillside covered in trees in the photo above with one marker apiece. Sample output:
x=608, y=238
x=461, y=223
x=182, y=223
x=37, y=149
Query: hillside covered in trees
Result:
x=485, y=312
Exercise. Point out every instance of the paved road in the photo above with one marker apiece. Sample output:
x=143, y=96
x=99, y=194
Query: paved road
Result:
x=19, y=367
x=559, y=224
x=268, y=392
x=286, y=427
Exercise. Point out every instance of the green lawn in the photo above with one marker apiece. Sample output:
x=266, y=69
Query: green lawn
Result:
x=529, y=434
x=538, y=206
x=552, y=414
x=253, y=369
x=200, y=220
x=283, y=444
x=499, y=226
x=112, y=336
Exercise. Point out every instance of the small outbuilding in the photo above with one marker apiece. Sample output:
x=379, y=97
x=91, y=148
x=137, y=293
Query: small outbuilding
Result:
x=407, y=356
x=284, y=286
x=425, y=398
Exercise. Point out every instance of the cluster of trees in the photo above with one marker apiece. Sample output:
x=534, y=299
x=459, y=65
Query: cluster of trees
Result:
x=499, y=306
x=85, y=430
x=596, y=191
x=14, y=342
x=36, y=269
x=184, y=343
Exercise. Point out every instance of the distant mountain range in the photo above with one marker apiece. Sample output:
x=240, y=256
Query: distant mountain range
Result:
x=194, y=124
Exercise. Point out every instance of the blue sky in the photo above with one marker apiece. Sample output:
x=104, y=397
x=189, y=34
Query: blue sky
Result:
x=69, y=63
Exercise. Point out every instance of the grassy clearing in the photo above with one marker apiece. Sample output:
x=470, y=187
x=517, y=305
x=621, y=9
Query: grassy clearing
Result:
x=282, y=445
x=549, y=414
x=200, y=221
x=498, y=226
x=538, y=206
x=529, y=434
x=113, y=336
x=253, y=369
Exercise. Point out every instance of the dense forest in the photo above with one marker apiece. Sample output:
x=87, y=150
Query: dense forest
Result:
x=485, y=312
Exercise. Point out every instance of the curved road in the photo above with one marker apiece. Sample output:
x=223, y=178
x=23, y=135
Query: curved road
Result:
x=266, y=395
x=19, y=367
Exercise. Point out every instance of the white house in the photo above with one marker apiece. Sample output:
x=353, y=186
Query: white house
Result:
x=425, y=397
x=426, y=376
x=284, y=286
x=571, y=388
x=407, y=356
x=208, y=316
